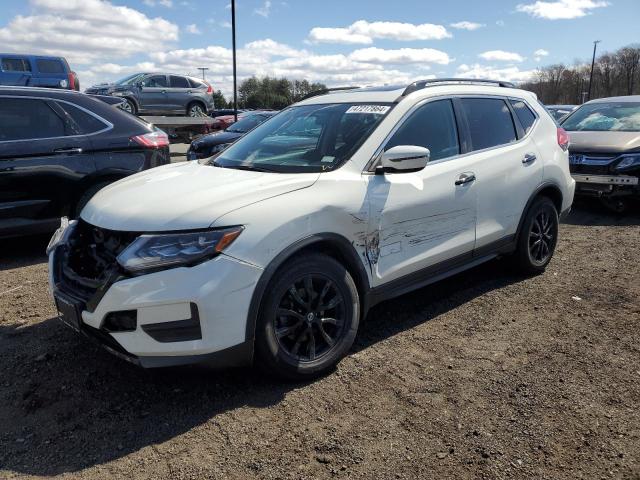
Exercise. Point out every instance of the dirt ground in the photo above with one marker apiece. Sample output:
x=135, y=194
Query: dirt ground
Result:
x=485, y=375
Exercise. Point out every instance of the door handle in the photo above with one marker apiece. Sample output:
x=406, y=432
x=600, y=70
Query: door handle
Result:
x=67, y=150
x=529, y=158
x=466, y=177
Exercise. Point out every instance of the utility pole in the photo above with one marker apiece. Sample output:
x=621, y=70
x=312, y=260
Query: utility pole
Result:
x=593, y=61
x=202, y=69
x=233, y=41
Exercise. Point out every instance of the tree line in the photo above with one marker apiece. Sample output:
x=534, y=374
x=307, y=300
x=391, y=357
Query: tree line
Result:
x=614, y=74
x=269, y=93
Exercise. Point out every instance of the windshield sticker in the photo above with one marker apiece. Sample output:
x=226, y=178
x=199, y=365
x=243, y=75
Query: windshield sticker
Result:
x=328, y=158
x=373, y=109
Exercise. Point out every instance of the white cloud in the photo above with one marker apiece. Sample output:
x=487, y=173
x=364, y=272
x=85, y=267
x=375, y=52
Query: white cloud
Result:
x=225, y=24
x=501, y=56
x=400, y=56
x=538, y=54
x=561, y=9
x=264, y=10
x=153, y=3
x=363, y=32
x=510, y=74
x=500, y=23
x=193, y=28
x=464, y=25
x=86, y=30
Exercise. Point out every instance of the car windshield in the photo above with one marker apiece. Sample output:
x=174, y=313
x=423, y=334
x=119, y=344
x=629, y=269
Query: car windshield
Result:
x=247, y=123
x=130, y=80
x=602, y=117
x=308, y=138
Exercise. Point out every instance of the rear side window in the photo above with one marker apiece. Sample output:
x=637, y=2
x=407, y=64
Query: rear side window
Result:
x=83, y=122
x=155, y=81
x=490, y=122
x=432, y=126
x=27, y=119
x=49, y=66
x=16, y=65
x=178, y=82
x=524, y=114
x=195, y=83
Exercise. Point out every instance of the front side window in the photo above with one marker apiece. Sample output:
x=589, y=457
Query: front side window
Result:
x=524, y=114
x=15, y=65
x=155, y=81
x=490, y=122
x=308, y=138
x=432, y=126
x=27, y=119
x=49, y=66
x=178, y=82
x=602, y=117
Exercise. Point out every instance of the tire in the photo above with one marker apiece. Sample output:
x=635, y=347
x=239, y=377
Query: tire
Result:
x=286, y=319
x=129, y=106
x=538, y=237
x=86, y=196
x=196, y=109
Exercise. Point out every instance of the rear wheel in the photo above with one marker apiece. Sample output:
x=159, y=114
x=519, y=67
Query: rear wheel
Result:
x=538, y=237
x=196, y=110
x=309, y=320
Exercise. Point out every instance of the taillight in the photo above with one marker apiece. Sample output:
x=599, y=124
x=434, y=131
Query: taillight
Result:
x=563, y=138
x=209, y=89
x=154, y=139
x=72, y=80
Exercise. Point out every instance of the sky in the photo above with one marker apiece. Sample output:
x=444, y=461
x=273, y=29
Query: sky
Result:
x=337, y=42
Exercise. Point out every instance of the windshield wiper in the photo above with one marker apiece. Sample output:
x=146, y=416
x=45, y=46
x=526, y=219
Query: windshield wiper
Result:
x=248, y=168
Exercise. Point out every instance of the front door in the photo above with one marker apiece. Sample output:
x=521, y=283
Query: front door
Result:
x=153, y=94
x=424, y=219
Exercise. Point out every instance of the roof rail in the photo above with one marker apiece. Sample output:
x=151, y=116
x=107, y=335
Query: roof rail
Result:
x=420, y=84
x=324, y=91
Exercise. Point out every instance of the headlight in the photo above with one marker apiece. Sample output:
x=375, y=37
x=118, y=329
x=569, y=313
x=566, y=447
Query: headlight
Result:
x=61, y=234
x=628, y=161
x=160, y=251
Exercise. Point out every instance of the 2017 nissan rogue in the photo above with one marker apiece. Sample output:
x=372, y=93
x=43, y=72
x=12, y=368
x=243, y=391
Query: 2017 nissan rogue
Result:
x=274, y=250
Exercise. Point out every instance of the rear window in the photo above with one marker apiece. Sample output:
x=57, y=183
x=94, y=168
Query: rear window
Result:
x=178, y=82
x=27, y=119
x=16, y=65
x=49, y=66
x=525, y=115
x=490, y=122
x=84, y=122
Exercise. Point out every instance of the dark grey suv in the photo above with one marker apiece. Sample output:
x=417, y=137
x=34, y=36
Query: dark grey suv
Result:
x=160, y=94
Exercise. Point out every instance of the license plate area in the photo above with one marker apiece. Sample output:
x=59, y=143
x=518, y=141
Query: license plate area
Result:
x=69, y=311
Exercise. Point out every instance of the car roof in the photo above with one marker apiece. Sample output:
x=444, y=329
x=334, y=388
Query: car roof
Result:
x=624, y=99
x=13, y=54
x=394, y=94
x=26, y=91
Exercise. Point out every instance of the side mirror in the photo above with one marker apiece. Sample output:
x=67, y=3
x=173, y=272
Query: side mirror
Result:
x=404, y=158
x=140, y=85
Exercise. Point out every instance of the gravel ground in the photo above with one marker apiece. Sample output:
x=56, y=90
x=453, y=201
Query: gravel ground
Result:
x=485, y=375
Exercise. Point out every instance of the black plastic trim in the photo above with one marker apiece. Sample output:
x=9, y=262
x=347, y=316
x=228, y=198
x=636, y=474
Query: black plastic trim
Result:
x=177, y=330
x=532, y=198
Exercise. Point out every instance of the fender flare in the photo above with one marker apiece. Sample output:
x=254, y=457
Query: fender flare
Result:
x=338, y=241
x=534, y=195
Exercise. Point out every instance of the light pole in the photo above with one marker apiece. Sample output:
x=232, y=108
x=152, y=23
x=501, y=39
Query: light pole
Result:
x=202, y=69
x=593, y=61
x=233, y=41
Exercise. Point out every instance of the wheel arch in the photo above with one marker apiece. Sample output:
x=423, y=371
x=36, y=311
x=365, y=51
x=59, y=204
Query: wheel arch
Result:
x=331, y=244
x=198, y=101
x=549, y=190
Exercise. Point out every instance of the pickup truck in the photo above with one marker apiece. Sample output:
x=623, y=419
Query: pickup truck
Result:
x=37, y=71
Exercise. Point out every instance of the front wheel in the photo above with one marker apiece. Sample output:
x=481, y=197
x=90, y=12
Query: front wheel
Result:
x=538, y=237
x=309, y=319
x=128, y=106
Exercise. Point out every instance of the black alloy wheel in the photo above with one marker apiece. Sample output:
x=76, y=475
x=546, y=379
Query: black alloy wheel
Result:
x=541, y=237
x=538, y=236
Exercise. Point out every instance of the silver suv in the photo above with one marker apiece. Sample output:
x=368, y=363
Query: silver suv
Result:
x=160, y=93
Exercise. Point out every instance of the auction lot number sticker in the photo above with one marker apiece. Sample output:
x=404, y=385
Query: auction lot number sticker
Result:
x=373, y=109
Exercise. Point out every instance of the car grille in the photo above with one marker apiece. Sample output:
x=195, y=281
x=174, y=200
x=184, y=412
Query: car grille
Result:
x=589, y=163
x=88, y=265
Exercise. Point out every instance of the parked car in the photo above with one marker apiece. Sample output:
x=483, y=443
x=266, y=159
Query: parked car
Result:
x=560, y=111
x=160, y=94
x=58, y=148
x=209, y=145
x=605, y=149
x=225, y=111
x=274, y=250
x=37, y=71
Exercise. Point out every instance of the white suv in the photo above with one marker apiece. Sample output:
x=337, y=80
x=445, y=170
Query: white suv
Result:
x=273, y=251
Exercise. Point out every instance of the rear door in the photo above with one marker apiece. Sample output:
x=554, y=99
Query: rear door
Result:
x=180, y=93
x=43, y=160
x=154, y=93
x=505, y=164
x=15, y=70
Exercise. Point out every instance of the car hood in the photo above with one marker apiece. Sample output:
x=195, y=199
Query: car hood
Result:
x=604, y=142
x=184, y=196
x=216, y=139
